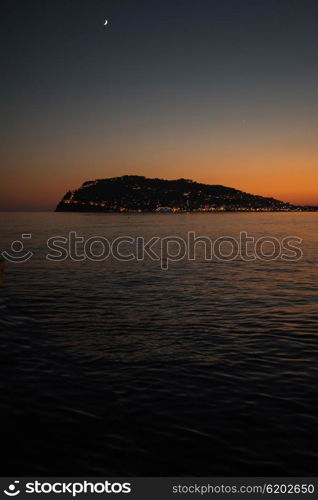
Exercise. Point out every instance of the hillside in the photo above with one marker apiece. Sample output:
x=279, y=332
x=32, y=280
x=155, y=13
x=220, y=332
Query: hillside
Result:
x=132, y=193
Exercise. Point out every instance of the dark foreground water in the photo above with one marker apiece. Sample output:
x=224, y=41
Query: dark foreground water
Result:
x=121, y=368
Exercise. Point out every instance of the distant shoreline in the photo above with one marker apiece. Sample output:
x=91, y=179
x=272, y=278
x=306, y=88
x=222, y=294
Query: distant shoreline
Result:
x=139, y=194
x=179, y=212
x=53, y=210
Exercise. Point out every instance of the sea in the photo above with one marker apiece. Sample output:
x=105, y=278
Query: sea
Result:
x=172, y=367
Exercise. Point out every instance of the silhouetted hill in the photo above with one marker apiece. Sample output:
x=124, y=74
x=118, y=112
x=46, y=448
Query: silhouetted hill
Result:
x=134, y=193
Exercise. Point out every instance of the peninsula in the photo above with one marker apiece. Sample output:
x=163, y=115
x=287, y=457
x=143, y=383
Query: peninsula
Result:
x=134, y=193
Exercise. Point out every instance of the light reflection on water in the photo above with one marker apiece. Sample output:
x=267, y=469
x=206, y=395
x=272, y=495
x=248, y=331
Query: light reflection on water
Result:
x=208, y=368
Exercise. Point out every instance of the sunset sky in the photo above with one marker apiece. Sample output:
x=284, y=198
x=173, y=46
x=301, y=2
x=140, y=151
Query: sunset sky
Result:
x=218, y=91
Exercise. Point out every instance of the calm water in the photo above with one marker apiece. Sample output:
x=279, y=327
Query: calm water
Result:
x=121, y=368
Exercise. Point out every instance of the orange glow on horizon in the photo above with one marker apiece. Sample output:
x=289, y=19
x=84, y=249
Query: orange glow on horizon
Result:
x=38, y=191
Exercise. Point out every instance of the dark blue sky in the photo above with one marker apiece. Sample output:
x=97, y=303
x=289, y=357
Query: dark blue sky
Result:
x=218, y=91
